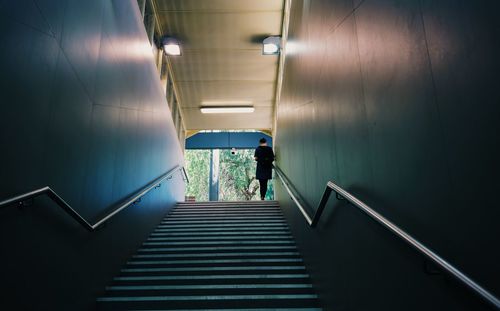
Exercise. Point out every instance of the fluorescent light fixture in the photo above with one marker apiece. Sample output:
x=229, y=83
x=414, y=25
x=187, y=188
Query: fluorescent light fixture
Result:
x=228, y=109
x=171, y=46
x=271, y=45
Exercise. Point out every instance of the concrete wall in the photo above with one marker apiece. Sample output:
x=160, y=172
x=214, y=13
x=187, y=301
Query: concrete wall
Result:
x=397, y=102
x=82, y=110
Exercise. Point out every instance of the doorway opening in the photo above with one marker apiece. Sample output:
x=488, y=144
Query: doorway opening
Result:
x=223, y=175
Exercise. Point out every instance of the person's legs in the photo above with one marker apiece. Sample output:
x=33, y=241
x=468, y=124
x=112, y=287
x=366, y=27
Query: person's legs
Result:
x=263, y=188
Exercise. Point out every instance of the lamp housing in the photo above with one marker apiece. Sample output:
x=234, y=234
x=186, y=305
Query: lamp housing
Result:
x=271, y=45
x=171, y=46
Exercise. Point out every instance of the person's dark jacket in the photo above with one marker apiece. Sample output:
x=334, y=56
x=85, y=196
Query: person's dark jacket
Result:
x=264, y=156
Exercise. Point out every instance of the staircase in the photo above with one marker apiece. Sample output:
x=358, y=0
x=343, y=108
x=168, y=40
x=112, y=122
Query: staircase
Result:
x=215, y=256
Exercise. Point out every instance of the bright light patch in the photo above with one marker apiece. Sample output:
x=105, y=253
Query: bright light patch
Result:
x=227, y=109
x=172, y=49
x=293, y=48
x=270, y=48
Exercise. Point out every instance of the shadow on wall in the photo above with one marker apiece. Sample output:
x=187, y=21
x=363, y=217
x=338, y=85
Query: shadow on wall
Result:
x=83, y=111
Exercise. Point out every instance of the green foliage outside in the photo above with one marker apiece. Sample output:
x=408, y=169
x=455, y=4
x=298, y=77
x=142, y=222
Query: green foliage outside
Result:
x=236, y=175
x=198, y=170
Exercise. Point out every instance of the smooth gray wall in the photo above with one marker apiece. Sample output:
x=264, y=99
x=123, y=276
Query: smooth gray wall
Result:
x=82, y=110
x=396, y=101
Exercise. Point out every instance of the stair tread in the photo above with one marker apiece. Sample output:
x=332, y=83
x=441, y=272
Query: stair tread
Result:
x=246, y=309
x=222, y=276
x=216, y=255
x=221, y=233
x=207, y=297
x=210, y=261
x=211, y=286
x=217, y=248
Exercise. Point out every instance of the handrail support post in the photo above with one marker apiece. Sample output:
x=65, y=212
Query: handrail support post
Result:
x=321, y=206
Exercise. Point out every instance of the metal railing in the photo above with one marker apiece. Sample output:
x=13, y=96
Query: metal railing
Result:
x=428, y=253
x=19, y=199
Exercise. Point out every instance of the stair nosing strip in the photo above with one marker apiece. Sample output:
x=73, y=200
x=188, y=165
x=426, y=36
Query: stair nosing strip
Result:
x=249, y=233
x=219, y=242
x=208, y=269
x=208, y=277
x=212, y=261
x=215, y=248
x=212, y=297
x=221, y=238
x=216, y=254
x=209, y=286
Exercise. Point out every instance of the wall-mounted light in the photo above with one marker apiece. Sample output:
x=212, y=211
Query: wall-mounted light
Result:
x=171, y=46
x=227, y=109
x=271, y=45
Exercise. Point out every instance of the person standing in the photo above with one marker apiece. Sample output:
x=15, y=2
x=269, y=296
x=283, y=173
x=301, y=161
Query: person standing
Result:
x=264, y=156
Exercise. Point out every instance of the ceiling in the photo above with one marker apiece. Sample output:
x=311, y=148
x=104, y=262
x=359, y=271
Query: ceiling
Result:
x=222, y=61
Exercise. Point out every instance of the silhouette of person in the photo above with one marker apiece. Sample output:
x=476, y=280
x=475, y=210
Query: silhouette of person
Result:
x=264, y=156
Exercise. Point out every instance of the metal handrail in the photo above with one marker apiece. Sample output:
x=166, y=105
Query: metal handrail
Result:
x=435, y=258
x=19, y=199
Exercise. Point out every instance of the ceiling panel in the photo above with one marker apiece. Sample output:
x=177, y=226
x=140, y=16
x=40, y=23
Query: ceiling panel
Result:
x=260, y=119
x=194, y=92
x=220, y=5
x=221, y=58
x=208, y=30
x=225, y=65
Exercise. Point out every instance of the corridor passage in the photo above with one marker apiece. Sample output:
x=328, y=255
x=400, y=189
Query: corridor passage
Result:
x=128, y=139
